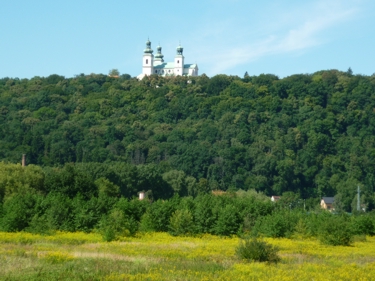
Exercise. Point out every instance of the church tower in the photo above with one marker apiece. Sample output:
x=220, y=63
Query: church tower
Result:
x=155, y=65
x=148, y=60
x=179, y=62
x=159, y=56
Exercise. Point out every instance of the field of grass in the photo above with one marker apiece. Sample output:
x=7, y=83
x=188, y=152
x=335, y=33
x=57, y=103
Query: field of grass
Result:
x=159, y=256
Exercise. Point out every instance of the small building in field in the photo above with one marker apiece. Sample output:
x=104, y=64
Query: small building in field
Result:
x=327, y=203
x=275, y=198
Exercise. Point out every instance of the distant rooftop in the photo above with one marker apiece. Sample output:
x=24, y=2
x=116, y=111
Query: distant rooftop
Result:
x=328, y=200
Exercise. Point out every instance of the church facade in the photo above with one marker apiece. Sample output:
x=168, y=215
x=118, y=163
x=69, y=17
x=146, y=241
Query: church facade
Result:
x=155, y=64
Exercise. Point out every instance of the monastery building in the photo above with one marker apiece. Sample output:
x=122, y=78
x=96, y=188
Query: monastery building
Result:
x=156, y=65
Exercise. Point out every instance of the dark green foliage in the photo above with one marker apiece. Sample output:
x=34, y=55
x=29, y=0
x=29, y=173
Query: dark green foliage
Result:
x=290, y=200
x=70, y=181
x=99, y=140
x=218, y=83
x=86, y=213
x=149, y=177
x=310, y=134
x=363, y=224
x=116, y=225
x=132, y=208
x=55, y=212
x=18, y=211
x=158, y=215
x=146, y=223
x=204, y=213
x=314, y=220
x=232, y=213
x=40, y=225
x=257, y=250
x=336, y=231
x=107, y=188
x=228, y=221
x=181, y=223
x=252, y=206
x=279, y=224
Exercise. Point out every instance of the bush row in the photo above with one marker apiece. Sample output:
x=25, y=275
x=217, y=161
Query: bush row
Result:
x=229, y=214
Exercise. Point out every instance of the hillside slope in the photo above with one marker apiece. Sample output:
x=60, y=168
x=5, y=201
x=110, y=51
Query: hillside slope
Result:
x=313, y=134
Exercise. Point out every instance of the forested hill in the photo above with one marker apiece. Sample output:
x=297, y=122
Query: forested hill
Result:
x=313, y=134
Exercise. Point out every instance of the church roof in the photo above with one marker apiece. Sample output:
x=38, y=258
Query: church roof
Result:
x=171, y=65
x=190, y=65
x=164, y=65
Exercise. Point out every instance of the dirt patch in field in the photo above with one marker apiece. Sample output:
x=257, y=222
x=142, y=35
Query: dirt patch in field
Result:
x=300, y=258
x=113, y=257
x=130, y=243
x=91, y=245
x=181, y=244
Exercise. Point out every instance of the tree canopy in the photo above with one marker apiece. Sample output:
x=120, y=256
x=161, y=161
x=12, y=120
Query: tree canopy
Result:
x=311, y=134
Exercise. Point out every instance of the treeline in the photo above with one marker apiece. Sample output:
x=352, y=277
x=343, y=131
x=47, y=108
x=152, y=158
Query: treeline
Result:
x=85, y=198
x=311, y=134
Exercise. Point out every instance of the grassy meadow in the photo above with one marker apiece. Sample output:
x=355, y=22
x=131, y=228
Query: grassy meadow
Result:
x=159, y=256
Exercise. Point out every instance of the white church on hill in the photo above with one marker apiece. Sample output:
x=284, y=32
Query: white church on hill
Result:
x=156, y=65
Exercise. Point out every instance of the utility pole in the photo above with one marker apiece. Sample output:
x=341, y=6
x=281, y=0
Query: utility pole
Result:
x=358, y=199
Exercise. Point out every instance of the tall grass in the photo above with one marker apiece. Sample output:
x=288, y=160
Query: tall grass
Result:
x=160, y=256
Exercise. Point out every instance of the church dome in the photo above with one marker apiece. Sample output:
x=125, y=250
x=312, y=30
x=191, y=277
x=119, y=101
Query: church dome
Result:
x=148, y=49
x=159, y=55
x=179, y=50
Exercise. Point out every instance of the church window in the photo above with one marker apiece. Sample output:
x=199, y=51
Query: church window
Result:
x=178, y=61
x=146, y=61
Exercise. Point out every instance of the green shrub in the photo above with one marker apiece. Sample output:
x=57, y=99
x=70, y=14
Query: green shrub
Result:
x=300, y=230
x=228, y=221
x=107, y=188
x=18, y=211
x=116, y=225
x=181, y=223
x=277, y=225
x=40, y=225
x=362, y=225
x=314, y=221
x=336, y=231
x=204, y=215
x=146, y=224
x=256, y=250
x=159, y=213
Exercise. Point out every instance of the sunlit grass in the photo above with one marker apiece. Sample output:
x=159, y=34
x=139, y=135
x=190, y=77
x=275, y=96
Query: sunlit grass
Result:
x=159, y=256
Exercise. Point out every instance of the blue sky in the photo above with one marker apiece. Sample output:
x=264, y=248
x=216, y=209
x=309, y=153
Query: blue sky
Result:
x=39, y=38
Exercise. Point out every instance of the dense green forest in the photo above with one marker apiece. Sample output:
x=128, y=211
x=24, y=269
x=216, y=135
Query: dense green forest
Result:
x=310, y=134
x=83, y=197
